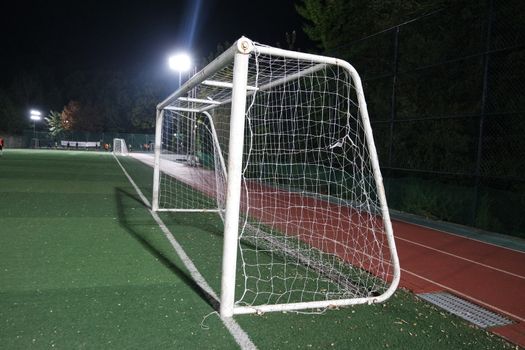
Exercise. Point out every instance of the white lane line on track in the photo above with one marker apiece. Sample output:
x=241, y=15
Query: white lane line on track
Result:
x=240, y=336
x=455, y=234
x=461, y=258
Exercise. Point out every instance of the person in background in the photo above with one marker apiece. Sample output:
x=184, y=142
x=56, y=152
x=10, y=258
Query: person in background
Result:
x=1, y=146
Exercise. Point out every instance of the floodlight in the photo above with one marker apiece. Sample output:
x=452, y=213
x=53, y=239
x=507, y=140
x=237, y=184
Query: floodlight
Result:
x=35, y=116
x=180, y=62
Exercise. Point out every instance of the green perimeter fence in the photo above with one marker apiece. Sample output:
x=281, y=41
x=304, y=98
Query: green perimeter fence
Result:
x=446, y=97
x=42, y=139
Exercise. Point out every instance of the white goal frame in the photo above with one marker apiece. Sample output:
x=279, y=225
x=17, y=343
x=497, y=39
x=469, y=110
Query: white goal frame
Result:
x=239, y=54
x=120, y=147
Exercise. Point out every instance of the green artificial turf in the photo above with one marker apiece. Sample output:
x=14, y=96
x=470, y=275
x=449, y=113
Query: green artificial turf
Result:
x=83, y=265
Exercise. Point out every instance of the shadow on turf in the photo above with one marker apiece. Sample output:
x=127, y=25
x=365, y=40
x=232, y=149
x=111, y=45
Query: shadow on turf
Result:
x=124, y=201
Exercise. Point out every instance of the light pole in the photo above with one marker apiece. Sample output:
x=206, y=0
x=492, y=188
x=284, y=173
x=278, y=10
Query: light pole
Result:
x=180, y=62
x=35, y=116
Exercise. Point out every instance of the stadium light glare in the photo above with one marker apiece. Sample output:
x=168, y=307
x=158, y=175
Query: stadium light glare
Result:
x=180, y=62
x=35, y=116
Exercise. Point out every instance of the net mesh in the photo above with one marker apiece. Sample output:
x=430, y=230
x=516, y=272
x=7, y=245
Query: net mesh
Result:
x=310, y=225
x=189, y=177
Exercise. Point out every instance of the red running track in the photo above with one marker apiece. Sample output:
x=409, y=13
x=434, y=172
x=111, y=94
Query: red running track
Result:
x=486, y=274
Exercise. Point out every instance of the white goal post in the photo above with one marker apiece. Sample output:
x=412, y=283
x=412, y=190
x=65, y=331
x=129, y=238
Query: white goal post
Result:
x=279, y=144
x=120, y=147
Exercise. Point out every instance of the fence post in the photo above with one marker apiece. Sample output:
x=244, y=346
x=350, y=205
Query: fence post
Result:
x=483, y=114
x=393, y=109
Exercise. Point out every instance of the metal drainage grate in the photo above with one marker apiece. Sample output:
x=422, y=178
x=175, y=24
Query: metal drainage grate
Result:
x=465, y=309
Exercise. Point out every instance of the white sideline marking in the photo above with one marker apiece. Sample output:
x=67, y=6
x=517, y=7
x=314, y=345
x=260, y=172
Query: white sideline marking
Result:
x=461, y=258
x=466, y=296
x=240, y=336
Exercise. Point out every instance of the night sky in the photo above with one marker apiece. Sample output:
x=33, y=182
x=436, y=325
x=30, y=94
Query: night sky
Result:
x=133, y=36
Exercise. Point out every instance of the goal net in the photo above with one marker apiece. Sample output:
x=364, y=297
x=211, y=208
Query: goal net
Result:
x=119, y=147
x=279, y=144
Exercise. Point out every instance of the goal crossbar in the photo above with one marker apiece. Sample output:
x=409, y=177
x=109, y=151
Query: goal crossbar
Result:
x=211, y=103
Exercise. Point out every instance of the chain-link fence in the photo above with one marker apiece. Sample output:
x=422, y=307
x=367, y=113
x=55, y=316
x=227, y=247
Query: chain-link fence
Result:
x=446, y=96
x=42, y=139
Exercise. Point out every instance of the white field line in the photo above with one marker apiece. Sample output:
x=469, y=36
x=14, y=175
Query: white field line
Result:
x=457, y=235
x=240, y=336
x=466, y=296
x=145, y=160
x=462, y=258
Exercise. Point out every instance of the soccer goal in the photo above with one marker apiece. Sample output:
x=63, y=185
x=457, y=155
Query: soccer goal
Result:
x=120, y=147
x=278, y=143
